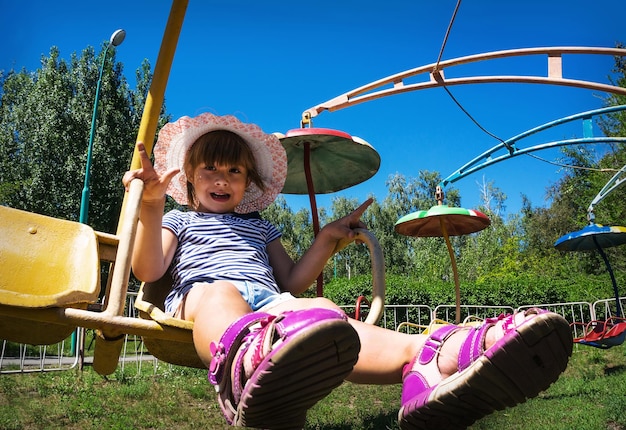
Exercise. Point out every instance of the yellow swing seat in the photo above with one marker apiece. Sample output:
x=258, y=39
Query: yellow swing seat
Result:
x=44, y=262
x=50, y=274
x=150, y=303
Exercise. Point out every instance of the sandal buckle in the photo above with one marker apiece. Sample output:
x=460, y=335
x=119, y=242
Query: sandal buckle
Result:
x=216, y=369
x=433, y=343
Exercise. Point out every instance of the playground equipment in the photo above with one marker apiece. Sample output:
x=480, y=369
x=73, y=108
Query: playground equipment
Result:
x=442, y=220
x=48, y=308
x=509, y=148
x=604, y=334
x=413, y=224
x=612, y=331
x=601, y=334
x=50, y=268
x=67, y=277
x=50, y=274
x=312, y=153
x=400, y=83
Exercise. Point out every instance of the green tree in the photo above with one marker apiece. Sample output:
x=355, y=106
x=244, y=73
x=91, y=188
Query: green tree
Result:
x=495, y=248
x=296, y=228
x=353, y=260
x=45, y=120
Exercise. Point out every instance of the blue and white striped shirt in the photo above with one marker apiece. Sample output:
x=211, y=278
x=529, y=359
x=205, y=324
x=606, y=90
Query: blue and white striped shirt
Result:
x=218, y=247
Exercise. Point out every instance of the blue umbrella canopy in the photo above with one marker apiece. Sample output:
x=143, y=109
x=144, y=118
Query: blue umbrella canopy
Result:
x=596, y=237
x=592, y=237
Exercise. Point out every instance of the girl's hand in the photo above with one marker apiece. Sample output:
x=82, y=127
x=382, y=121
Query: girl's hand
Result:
x=342, y=231
x=155, y=185
x=297, y=277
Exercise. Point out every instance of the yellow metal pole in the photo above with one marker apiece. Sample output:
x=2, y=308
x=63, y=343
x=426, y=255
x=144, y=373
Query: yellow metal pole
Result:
x=154, y=102
x=156, y=94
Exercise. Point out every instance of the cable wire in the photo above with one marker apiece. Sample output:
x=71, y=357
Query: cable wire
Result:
x=508, y=146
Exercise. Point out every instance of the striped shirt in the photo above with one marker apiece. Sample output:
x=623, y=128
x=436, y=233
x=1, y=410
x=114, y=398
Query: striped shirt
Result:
x=218, y=247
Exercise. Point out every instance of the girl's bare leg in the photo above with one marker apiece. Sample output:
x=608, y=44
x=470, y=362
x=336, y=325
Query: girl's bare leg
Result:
x=212, y=308
x=384, y=353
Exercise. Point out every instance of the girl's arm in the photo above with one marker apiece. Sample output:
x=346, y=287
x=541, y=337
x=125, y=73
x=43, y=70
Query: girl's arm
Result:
x=297, y=277
x=154, y=246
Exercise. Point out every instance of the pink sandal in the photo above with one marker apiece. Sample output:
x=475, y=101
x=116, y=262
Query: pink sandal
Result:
x=269, y=370
x=525, y=361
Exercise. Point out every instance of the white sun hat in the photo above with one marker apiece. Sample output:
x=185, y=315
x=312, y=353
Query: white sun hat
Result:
x=176, y=138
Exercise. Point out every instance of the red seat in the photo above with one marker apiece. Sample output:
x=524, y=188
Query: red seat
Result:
x=604, y=334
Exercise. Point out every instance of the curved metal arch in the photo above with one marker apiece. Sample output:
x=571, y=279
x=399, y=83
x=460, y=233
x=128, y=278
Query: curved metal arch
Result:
x=396, y=84
x=612, y=184
x=486, y=158
x=579, y=141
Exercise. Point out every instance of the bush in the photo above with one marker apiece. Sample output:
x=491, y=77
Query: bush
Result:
x=509, y=290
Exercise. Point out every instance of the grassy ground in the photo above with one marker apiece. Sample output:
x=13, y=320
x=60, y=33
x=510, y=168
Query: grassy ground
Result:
x=590, y=395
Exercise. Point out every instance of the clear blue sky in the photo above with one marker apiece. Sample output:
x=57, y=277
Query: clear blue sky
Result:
x=266, y=62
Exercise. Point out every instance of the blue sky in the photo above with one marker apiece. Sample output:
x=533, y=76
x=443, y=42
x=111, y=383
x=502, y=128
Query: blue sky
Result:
x=267, y=62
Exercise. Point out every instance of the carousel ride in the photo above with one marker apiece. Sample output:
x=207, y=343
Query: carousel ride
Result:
x=50, y=273
x=610, y=331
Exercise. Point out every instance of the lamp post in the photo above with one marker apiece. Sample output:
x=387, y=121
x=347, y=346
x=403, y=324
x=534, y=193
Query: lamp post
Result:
x=116, y=39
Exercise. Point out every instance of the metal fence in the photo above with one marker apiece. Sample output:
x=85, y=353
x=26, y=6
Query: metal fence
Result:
x=19, y=358
x=73, y=352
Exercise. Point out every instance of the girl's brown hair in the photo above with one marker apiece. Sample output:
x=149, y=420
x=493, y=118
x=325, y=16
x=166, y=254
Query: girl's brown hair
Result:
x=220, y=147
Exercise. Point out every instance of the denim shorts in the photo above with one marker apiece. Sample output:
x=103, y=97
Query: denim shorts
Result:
x=258, y=297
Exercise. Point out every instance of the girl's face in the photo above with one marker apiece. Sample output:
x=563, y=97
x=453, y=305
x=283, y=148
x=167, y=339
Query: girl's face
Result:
x=219, y=188
x=219, y=168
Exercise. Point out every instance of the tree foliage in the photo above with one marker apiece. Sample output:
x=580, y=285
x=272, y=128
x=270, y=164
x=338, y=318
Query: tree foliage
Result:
x=45, y=123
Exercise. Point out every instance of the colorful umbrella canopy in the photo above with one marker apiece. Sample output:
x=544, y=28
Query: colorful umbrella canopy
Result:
x=591, y=237
x=336, y=160
x=442, y=220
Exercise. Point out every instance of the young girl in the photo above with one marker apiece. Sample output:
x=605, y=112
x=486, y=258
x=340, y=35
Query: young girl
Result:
x=271, y=355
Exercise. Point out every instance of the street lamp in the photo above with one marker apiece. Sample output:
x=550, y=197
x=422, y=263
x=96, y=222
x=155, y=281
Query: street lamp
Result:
x=116, y=39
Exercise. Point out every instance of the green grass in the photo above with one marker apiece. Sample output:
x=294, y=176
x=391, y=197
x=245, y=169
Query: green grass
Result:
x=590, y=395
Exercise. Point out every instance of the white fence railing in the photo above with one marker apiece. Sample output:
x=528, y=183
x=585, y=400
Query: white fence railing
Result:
x=67, y=354
x=19, y=358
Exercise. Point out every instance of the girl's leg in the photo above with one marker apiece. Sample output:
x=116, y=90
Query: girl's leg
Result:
x=384, y=352
x=257, y=352
x=212, y=308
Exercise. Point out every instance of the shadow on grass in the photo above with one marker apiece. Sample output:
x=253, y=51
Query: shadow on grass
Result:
x=615, y=370
x=379, y=422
